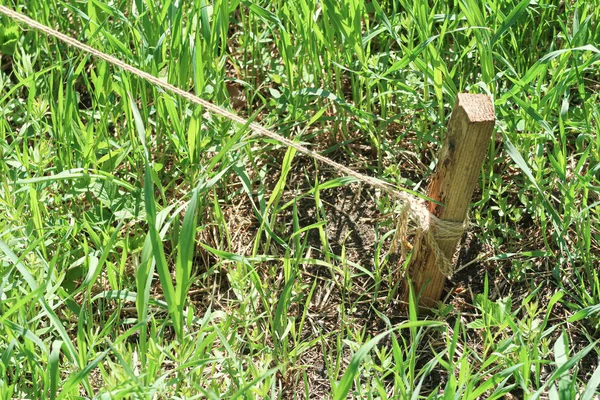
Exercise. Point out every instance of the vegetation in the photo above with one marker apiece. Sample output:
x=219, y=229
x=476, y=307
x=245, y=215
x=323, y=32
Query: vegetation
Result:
x=149, y=249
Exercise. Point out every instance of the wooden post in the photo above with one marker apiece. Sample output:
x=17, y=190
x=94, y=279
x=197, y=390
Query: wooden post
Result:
x=459, y=164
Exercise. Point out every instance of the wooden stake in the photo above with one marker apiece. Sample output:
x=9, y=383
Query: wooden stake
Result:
x=459, y=164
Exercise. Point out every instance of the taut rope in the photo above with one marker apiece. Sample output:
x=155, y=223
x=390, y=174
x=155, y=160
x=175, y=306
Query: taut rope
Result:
x=414, y=208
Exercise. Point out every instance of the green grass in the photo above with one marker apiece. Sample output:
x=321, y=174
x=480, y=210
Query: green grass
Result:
x=151, y=250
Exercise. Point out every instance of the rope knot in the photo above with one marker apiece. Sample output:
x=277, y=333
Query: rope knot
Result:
x=427, y=232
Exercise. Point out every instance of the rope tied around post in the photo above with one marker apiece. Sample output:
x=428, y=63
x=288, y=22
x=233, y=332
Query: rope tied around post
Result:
x=425, y=224
x=428, y=231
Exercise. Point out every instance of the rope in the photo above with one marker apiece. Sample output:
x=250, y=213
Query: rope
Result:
x=414, y=208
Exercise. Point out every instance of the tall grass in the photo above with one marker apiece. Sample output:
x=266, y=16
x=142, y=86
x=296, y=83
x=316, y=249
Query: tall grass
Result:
x=151, y=250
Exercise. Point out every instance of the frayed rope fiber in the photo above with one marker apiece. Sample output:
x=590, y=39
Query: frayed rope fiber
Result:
x=414, y=209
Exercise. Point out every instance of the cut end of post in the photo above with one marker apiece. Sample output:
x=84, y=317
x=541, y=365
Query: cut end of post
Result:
x=477, y=107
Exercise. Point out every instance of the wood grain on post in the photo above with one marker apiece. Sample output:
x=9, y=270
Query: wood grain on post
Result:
x=459, y=164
